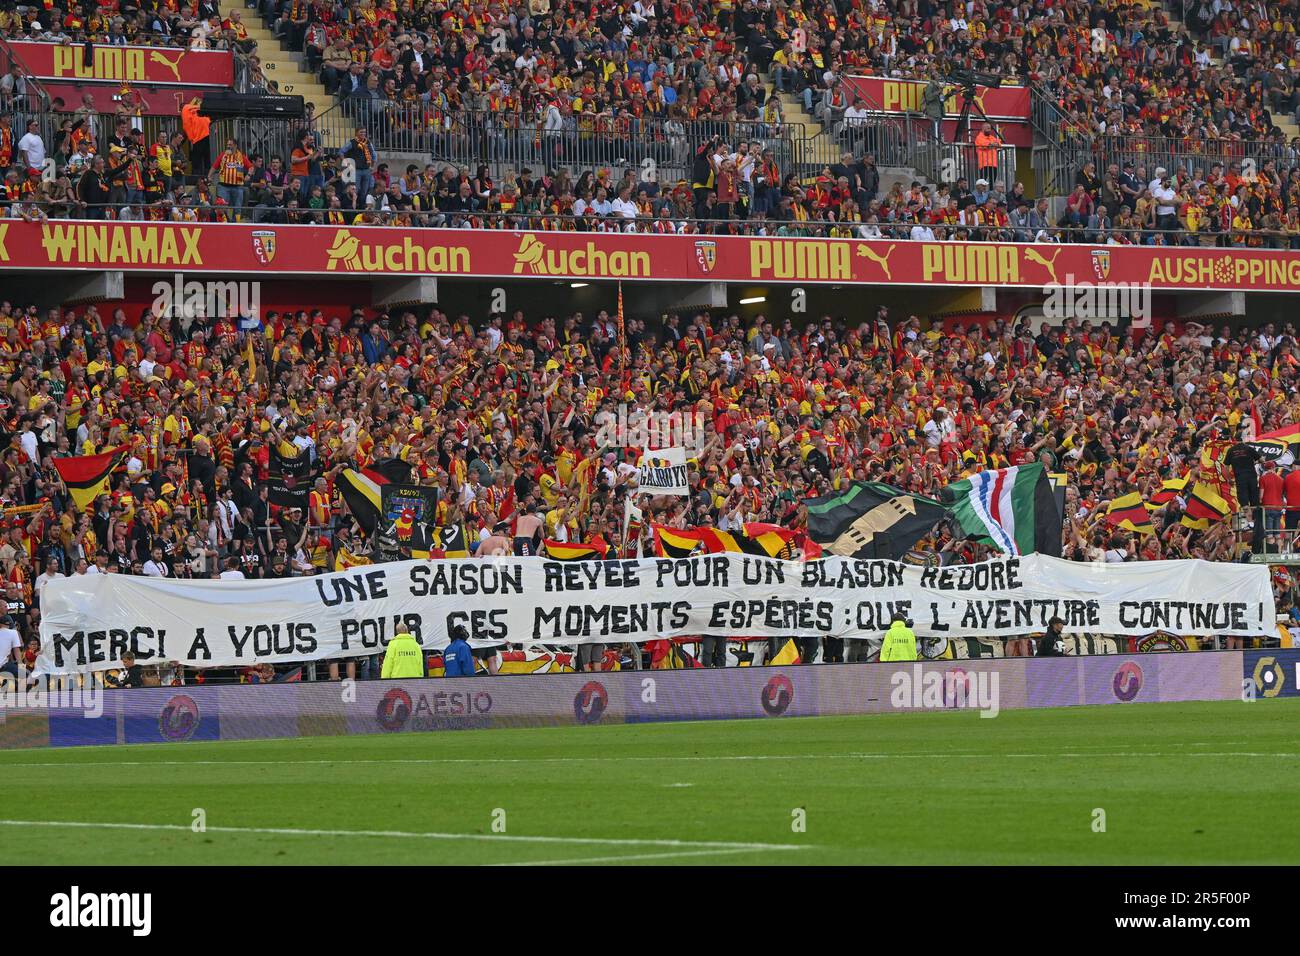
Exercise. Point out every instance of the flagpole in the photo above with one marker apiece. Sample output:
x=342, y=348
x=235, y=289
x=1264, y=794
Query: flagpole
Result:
x=622, y=346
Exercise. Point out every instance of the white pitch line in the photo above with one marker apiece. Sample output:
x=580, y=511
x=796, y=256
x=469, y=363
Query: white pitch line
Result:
x=934, y=755
x=620, y=859
x=404, y=834
x=1139, y=753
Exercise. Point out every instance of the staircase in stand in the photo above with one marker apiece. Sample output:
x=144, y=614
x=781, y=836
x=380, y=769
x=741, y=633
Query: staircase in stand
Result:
x=1282, y=121
x=288, y=69
x=822, y=146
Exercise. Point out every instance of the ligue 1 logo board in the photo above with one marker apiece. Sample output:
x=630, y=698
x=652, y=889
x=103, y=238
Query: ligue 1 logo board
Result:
x=590, y=702
x=777, y=695
x=179, y=718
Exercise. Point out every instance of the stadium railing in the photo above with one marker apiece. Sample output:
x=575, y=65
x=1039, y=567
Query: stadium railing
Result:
x=1055, y=161
x=1191, y=155
x=902, y=140
x=219, y=214
x=1065, y=149
x=1263, y=533
x=515, y=141
x=655, y=146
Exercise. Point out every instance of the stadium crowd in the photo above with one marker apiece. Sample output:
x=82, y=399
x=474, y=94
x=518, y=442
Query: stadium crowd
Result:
x=198, y=25
x=735, y=189
x=501, y=416
x=1118, y=68
x=498, y=412
x=1220, y=81
x=456, y=79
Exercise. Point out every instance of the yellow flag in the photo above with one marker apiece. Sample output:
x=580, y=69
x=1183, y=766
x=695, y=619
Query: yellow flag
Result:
x=346, y=559
x=787, y=655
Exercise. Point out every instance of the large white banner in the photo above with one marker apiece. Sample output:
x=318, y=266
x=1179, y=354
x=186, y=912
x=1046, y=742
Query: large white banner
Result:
x=663, y=472
x=88, y=621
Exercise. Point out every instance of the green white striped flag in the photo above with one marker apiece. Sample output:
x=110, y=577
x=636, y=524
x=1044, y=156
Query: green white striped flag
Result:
x=1012, y=509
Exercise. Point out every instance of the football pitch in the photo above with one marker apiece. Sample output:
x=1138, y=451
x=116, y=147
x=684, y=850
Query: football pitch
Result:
x=1207, y=783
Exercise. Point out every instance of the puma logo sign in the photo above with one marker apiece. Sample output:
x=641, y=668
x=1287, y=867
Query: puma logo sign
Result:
x=173, y=65
x=883, y=261
x=1033, y=255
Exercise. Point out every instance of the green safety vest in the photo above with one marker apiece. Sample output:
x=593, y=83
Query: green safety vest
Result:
x=404, y=657
x=900, y=643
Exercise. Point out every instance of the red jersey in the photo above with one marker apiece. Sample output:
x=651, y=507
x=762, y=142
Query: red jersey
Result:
x=1270, y=490
x=1291, y=485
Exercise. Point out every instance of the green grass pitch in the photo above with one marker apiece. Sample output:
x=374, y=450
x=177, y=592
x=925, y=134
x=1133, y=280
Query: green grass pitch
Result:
x=1207, y=783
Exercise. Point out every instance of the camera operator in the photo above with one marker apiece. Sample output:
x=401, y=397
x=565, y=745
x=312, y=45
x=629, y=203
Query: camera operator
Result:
x=933, y=103
x=457, y=657
x=1052, y=643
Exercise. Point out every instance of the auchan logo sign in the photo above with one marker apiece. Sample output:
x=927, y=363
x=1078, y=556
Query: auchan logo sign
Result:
x=535, y=257
x=348, y=253
x=1225, y=270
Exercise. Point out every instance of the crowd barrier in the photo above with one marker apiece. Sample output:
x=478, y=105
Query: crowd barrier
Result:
x=244, y=712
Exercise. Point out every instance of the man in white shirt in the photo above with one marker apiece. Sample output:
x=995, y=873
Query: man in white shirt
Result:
x=204, y=29
x=1154, y=184
x=1116, y=553
x=469, y=490
x=304, y=442
x=856, y=115
x=939, y=428
x=156, y=567
x=496, y=335
x=526, y=60
x=1166, y=198
x=45, y=577
x=227, y=512
x=623, y=205
x=32, y=147
x=231, y=572
x=31, y=446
